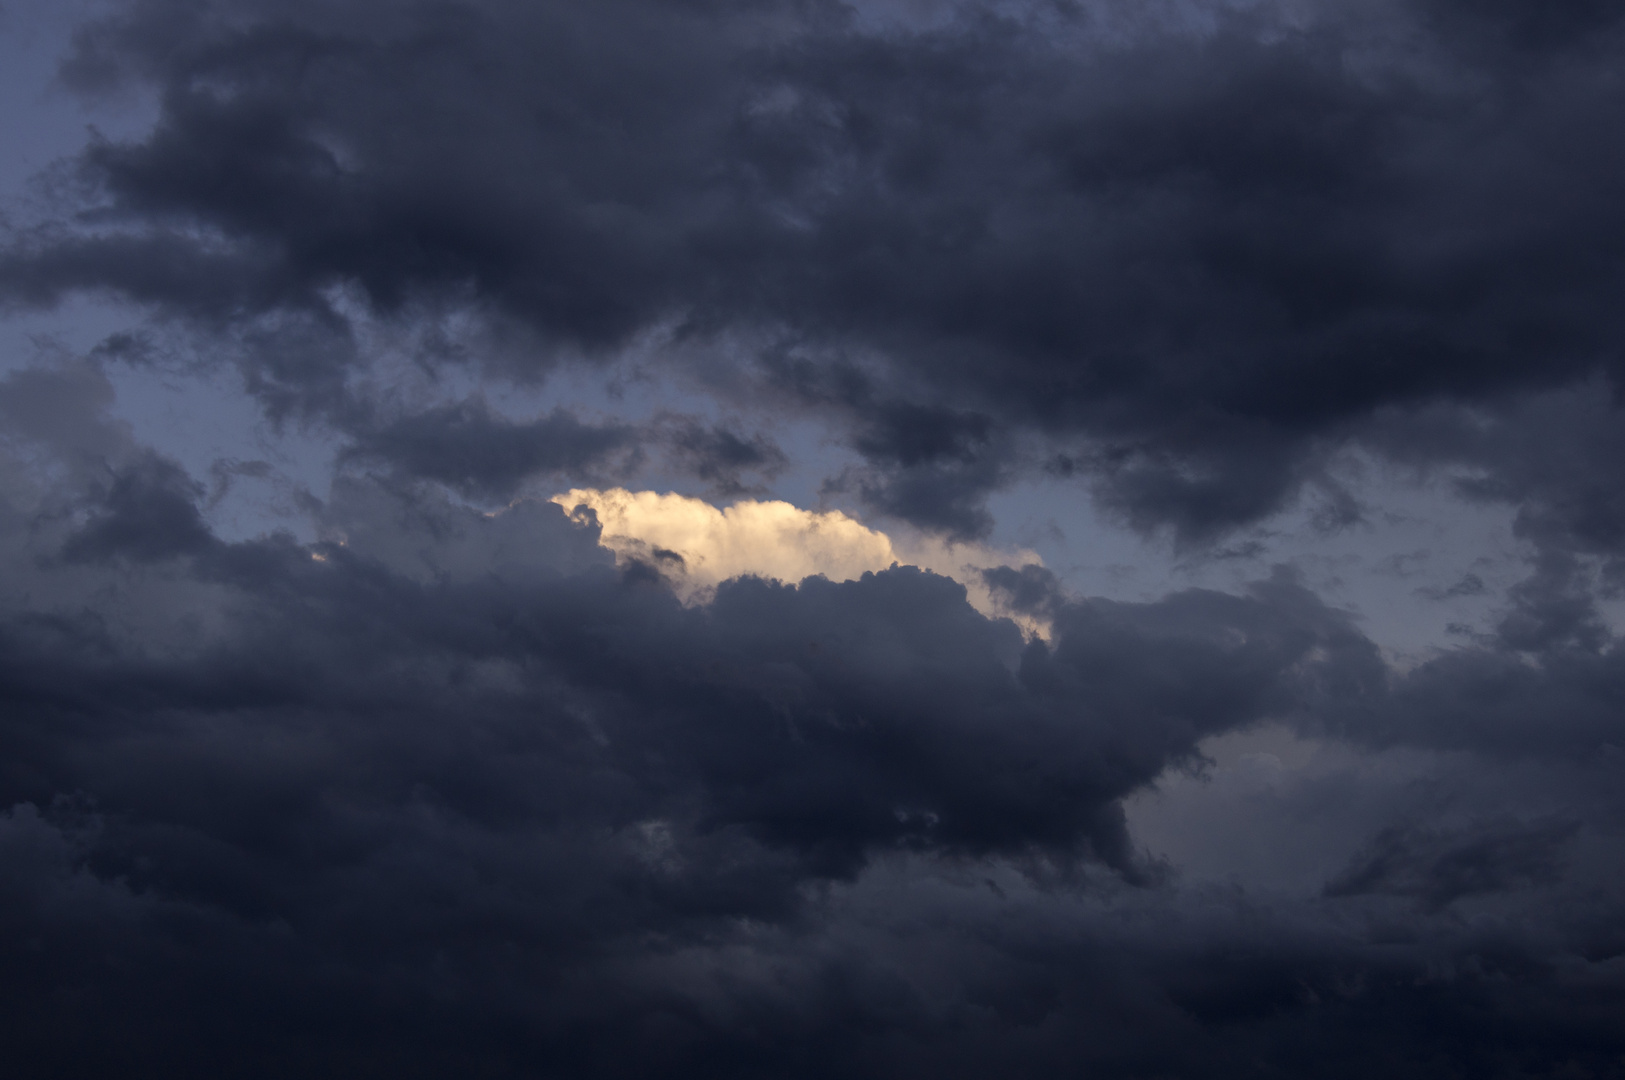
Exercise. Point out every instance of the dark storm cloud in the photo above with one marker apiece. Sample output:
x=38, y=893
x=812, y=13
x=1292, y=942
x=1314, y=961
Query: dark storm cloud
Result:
x=826, y=721
x=350, y=731
x=1032, y=590
x=1555, y=456
x=1440, y=867
x=474, y=450
x=1547, y=682
x=469, y=448
x=930, y=466
x=443, y=793
x=148, y=513
x=1196, y=256
x=942, y=496
x=471, y=822
x=449, y=793
x=722, y=456
x=1535, y=28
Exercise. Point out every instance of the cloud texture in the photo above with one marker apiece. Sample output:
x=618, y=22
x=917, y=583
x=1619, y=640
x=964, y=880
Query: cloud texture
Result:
x=537, y=731
x=1194, y=248
x=698, y=546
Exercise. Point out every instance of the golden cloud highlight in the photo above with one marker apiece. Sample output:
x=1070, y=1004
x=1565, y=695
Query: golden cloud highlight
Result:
x=698, y=545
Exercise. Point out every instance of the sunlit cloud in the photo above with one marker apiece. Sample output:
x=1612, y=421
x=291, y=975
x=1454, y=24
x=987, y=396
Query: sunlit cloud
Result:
x=698, y=546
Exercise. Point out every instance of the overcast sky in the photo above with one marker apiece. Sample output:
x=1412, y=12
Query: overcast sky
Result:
x=787, y=538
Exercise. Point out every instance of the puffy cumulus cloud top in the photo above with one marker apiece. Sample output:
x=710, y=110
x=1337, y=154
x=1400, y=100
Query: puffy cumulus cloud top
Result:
x=790, y=538
x=700, y=545
x=707, y=545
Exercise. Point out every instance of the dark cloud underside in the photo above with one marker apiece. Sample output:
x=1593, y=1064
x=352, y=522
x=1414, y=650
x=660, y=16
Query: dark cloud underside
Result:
x=377, y=819
x=1197, y=255
x=448, y=791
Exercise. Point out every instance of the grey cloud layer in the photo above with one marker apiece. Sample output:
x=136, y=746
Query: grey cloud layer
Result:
x=461, y=797
x=451, y=793
x=1193, y=258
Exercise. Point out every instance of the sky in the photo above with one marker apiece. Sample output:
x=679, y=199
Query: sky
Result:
x=789, y=538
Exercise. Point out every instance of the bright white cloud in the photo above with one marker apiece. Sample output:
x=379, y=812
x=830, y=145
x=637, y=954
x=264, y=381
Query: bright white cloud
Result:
x=774, y=540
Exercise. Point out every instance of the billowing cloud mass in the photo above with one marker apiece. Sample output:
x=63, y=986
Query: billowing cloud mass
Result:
x=699, y=546
x=799, y=538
